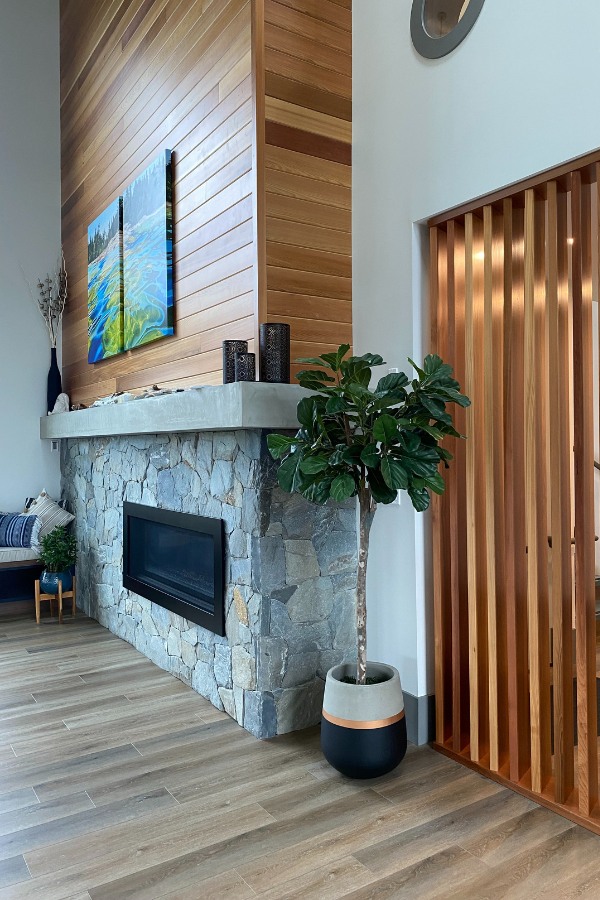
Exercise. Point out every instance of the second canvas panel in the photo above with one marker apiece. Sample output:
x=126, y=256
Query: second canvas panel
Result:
x=148, y=255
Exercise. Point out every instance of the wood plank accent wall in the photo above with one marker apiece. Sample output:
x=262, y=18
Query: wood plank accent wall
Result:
x=513, y=284
x=199, y=76
x=307, y=174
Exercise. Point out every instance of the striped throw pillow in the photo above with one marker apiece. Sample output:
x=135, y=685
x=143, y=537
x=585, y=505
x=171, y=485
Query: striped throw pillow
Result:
x=17, y=530
x=50, y=513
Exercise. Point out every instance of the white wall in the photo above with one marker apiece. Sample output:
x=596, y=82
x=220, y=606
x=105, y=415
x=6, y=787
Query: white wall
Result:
x=29, y=236
x=518, y=96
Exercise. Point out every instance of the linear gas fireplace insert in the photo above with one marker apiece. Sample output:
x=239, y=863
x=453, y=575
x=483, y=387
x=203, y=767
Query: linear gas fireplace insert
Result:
x=176, y=560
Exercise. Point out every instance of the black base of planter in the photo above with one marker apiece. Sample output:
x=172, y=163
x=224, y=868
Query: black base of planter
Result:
x=363, y=753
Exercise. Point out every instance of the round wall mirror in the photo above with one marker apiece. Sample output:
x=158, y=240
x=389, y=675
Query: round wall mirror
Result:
x=438, y=26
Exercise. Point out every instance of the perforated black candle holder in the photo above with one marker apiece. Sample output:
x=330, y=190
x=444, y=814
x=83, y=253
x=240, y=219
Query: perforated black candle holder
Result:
x=245, y=367
x=274, y=343
x=230, y=348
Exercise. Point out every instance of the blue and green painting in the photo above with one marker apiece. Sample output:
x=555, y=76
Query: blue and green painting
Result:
x=105, y=284
x=148, y=255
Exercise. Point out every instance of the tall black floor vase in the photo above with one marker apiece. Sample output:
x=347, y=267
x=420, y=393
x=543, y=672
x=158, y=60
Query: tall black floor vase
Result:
x=54, y=381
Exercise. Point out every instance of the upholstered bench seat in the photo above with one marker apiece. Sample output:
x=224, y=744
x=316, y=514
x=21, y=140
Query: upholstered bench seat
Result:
x=18, y=554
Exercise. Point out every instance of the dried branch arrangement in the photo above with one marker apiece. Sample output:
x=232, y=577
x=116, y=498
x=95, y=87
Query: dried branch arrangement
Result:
x=52, y=298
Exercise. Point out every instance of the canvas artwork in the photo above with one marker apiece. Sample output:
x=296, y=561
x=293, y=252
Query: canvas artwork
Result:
x=105, y=284
x=148, y=255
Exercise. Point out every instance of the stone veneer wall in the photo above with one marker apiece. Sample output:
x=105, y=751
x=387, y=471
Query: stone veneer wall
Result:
x=290, y=570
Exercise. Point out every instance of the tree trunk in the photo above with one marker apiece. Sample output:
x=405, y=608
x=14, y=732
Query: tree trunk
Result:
x=366, y=512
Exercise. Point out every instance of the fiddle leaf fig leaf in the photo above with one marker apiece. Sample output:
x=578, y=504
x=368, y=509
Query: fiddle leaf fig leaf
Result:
x=286, y=474
x=336, y=404
x=419, y=498
x=370, y=456
x=436, y=483
x=391, y=382
x=280, y=444
x=311, y=465
x=385, y=429
x=306, y=411
x=394, y=474
x=342, y=487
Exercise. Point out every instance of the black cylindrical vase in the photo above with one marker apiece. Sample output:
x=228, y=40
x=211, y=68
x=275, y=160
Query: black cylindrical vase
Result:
x=245, y=367
x=230, y=348
x=54, y=381
x=274, y=339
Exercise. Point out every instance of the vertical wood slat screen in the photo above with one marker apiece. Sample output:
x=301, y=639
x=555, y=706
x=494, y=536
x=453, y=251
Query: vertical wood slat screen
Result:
x=513, y=284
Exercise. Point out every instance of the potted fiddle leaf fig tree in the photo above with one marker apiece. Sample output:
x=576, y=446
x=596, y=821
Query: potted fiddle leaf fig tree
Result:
x=369, y=443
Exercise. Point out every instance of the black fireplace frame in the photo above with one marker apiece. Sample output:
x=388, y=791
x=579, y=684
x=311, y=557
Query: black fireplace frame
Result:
x=214, y=622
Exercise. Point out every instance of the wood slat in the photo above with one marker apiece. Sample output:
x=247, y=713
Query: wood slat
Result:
x=448, y=655
x=515, y=567
x=436, y=513
x=535, y=518
x=584, y=495
x=490, y=486
x=451, y=499
x=560, y=504
x=476, y=538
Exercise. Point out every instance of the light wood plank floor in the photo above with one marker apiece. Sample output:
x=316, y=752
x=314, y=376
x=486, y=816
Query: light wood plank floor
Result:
x=117, y=781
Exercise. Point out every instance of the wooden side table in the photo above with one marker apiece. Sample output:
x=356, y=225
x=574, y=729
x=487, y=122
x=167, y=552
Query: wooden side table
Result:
x=62, y=595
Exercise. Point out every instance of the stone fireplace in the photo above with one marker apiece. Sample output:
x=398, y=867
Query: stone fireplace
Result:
x=289, y=568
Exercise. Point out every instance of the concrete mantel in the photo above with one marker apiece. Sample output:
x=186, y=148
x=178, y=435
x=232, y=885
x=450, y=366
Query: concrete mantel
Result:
x=225, y=407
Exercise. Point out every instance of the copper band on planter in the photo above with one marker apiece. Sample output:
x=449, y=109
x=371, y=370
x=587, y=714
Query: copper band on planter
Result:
x=352, y=723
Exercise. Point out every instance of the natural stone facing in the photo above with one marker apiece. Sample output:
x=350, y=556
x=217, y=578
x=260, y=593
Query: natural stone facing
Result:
x=290, y=569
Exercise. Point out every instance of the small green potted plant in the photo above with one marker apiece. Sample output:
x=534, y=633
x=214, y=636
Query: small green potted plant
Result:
x=355, y=441
x=58, y=553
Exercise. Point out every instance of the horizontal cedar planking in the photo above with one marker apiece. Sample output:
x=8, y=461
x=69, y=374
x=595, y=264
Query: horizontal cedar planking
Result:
x=302, y=141
x=524, y=502
x=307, y=25
x=294, y=163
x=137, y=90
x=308, y=212
x=307, y=176
x=304, y=47
x=151, y=85
x=307, y=119
x=326, y=10
x=187, y=125
x=300, y=234
x=308, y=188
x=306, y=72
x=215, y=124
x=285, y=88
x=141, y=76
x=290, y=257
x=333, y=309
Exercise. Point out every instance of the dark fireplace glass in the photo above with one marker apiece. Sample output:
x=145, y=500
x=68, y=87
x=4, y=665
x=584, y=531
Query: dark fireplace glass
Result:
x=175, y=560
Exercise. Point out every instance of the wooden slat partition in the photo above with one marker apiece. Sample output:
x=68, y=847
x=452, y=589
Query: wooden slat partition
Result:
x=513, y=284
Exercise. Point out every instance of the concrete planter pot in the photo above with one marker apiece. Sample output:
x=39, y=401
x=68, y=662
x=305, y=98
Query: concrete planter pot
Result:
x=363, y=729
